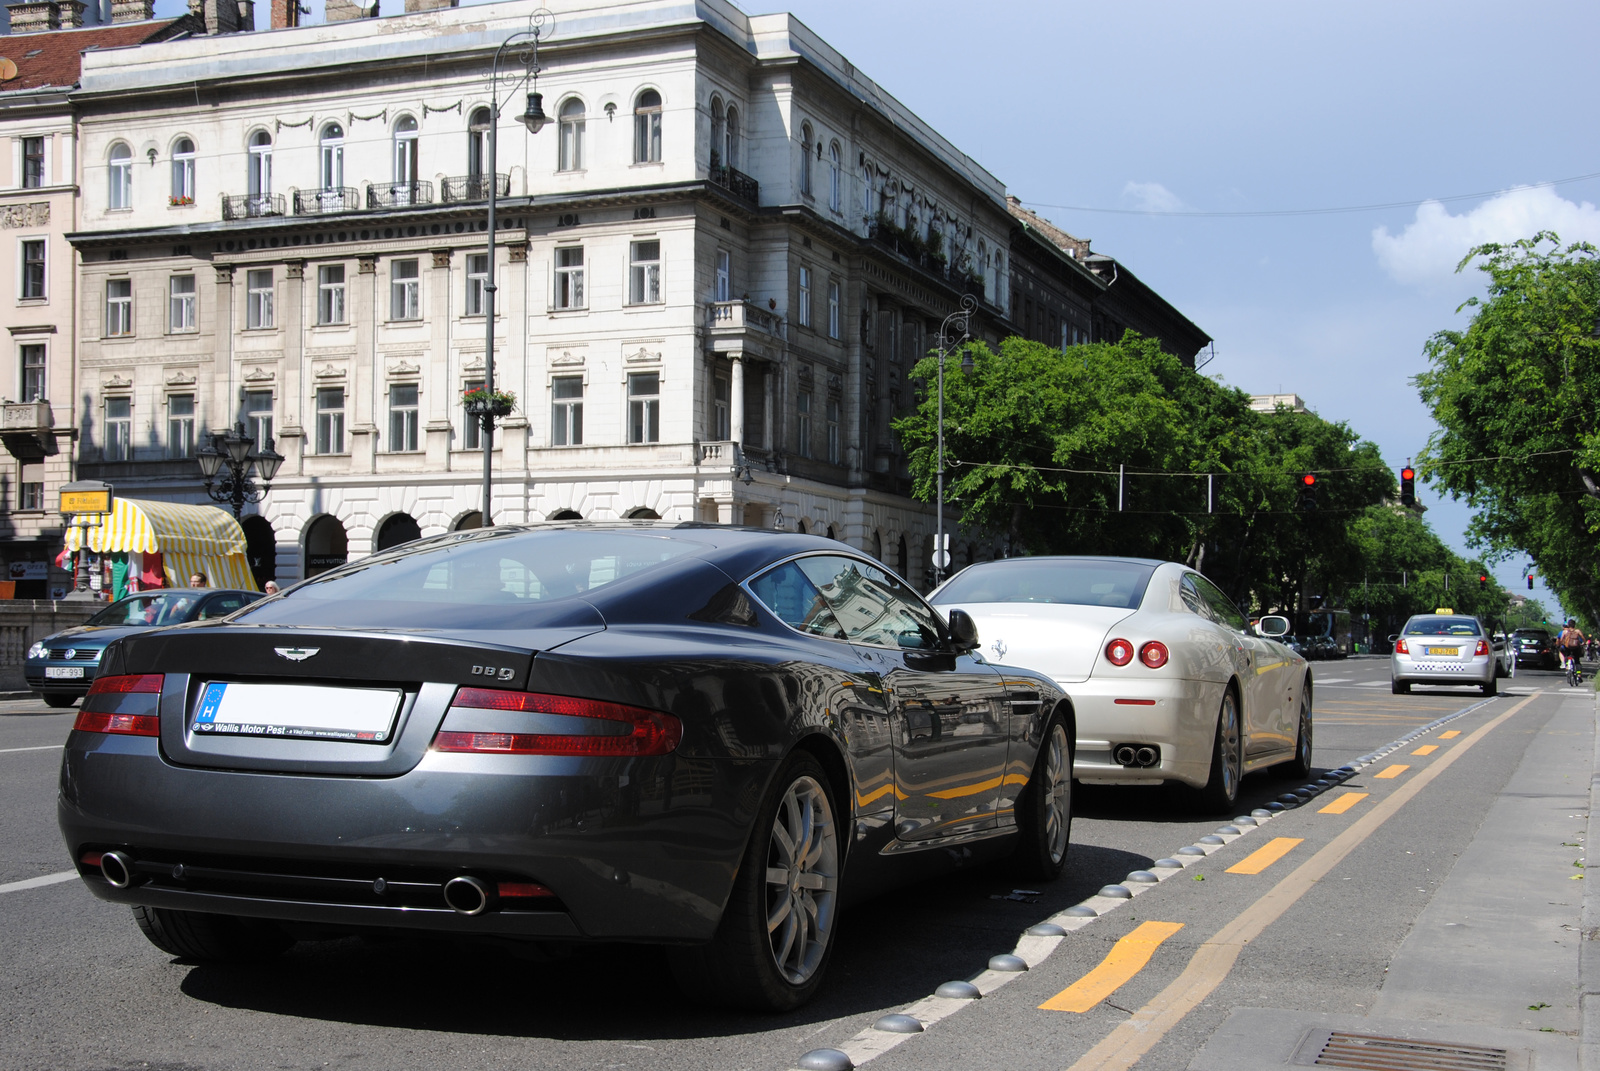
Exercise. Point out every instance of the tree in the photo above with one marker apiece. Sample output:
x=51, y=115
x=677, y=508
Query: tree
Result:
x=1401, y=569
x=1515, y=396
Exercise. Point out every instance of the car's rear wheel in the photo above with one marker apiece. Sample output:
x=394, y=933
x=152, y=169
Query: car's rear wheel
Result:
x=1300, y=765
x=776, y=935
x=1399, y=688
x=59, y=699
x=217, y=938
x=1227, y=759
x=1044, y=807
x=1491, y=687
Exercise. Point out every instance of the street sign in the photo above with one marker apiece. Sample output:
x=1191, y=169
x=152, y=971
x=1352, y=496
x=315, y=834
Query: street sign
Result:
x=86, y=496
x=941, y=559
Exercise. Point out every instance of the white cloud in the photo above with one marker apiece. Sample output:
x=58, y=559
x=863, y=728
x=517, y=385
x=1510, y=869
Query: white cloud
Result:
x=1152, y=197
x=1430, y=247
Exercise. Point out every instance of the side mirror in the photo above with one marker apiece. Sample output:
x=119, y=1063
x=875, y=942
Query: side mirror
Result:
x=963, y=631
x=1272, y=626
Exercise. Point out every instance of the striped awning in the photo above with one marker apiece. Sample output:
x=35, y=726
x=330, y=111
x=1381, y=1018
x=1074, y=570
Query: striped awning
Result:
x=147, y=527
x=221, y=570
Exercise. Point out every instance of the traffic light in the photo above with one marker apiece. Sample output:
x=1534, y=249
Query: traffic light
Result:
x=1530, y=581
x=1307, y=501
x=1408, y=486
x=1483, y=581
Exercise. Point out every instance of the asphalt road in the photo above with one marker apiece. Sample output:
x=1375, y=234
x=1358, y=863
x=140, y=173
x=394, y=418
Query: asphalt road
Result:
x=1442, y=900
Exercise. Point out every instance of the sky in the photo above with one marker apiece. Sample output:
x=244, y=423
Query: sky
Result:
x=1140, y=107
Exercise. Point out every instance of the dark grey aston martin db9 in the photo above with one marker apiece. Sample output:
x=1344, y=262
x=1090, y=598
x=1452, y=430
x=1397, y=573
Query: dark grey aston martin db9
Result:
x=696, y=736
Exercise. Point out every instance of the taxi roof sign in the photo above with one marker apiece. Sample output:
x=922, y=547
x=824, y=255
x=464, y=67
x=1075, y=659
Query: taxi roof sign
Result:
x=1445, y=610
x=86, y=496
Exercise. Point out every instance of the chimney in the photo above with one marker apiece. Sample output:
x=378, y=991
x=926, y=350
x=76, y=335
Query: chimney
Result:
x=71, y=13
x=34, y=16
x=286, y=13
x=414, y=6
x=220, y=16
x=132, y=10
x=346, y=10
x=247, y=15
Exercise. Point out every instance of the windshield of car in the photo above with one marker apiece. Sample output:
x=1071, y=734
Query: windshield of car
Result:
x=1050, y=580
x=156, y=608
x=1443, y=626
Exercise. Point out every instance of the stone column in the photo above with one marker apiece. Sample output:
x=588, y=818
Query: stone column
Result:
x=736, y=399
x=439, y=389
x=293, y=396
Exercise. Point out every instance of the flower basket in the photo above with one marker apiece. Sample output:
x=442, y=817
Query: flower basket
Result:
x=178, y=202
x=480, y=402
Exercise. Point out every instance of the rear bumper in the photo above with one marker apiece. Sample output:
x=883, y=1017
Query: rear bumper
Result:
x=640, y=850
x=1179, y=717
x=1405, y=669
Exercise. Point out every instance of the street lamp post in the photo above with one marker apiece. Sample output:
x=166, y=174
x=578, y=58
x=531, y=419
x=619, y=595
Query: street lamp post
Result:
x=540, y=23
x=234, y=449
x=961, y=318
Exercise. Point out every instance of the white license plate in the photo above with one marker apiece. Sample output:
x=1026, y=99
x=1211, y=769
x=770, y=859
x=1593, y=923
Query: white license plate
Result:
x=64, y=672
x=364, y=715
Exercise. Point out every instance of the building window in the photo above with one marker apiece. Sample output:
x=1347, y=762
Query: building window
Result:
x=833, y=308
x=833, y=432
x=182, y=172
x=566, y=411
x=472, y=436
x=477, y=280
x=730, y=155
x=644, y=407
x=180, y=425
x=32, y=496
x=32, y=163
x=330, y=420
x=1002, y=283
x=120, y=193
x=805, y=297
x=868, y=210
x=260, y=174
x=835, y=179
x=802, y=410
x=33, y=268
x=332, y=156
x=478, y=142
x=405, y=151
x=33, y=372
x=718, y=134
x=119, y=306
x=644, y=273
x=571, y=135
x=180, y=303
x=258, y=298
x=719, y=410
x=647, y=128
x=403, y=418
x=724, y=276
x=569, y=277
x=405, y=290
x=805, y=159
x=119, y=429
x=258, y=416
x=330, y=294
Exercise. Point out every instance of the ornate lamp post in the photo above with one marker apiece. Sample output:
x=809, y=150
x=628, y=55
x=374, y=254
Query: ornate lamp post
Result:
x=233, y=449
x=540, y=24
x=960, y=319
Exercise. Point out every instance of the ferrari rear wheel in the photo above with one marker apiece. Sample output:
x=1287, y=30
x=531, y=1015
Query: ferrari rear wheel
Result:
x=1221, y=790
x=1044, y=807
x=214, y=938
x=776, y=935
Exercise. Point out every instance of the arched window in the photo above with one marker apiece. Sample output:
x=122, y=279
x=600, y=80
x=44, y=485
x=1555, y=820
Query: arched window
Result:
x=571, y=130
x=405, y=150
x=119, y=193
x=835, y=179
x=478, y=142
x=805, y=159
x=647, y=128
x=869, y=209
x=260, y=177
x=1002, y=288
x=332, y=156
x=730, y=150
x=719, y=134
x=183, y=172
x=983, y=265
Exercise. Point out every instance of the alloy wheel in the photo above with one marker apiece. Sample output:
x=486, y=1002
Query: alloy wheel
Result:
x=1305, y=733
x=1228, y=740
x=1057, y=790
x=802, y=880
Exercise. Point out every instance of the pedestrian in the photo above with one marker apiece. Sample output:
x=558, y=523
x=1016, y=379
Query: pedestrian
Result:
x=198, y=580
x=271, y=587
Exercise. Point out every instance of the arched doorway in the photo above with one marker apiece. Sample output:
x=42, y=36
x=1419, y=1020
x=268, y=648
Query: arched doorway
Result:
x=830, y=532
x=800, y=526
x=400, y=528
x=643, y=513
x=260, y=548
x=327, y=546
x=468, y=521
x=565, y=515
x=877, y=546
x=901, y=557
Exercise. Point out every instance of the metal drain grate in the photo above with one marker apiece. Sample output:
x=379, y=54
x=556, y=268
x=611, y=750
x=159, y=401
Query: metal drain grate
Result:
x=1372, y=1052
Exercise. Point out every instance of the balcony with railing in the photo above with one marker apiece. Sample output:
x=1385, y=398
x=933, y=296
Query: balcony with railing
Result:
x=253, y=206
x=327, y=202
x=737, y=183
x=740, y=326
x=25, y=430
x=399, y=194
x=474, y=187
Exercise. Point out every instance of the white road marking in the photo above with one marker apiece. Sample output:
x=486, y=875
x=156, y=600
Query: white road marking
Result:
x=43, y=747
x=40, y=882
x=1334, y=680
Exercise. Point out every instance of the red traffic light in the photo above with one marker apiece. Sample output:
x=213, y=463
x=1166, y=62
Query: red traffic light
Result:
x=1309, y=479
x=1408, y=473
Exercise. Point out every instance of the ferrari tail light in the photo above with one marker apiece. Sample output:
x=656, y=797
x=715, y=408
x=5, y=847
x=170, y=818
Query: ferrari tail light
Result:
x=1401, y=648
x=614, y=729
x=1482, y=648
x=122, y=704
x=1119, y=652
x=1153, y=654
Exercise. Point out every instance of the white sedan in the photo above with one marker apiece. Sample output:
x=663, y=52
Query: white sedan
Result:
x=1167, y=678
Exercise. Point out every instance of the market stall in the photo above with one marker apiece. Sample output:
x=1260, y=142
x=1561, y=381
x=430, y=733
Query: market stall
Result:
x=162, y=544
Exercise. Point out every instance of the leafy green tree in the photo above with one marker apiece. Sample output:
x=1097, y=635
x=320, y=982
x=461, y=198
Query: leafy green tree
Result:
x=1401, y=569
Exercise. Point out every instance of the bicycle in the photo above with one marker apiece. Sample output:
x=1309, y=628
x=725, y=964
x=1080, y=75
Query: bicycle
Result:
x=1574, y=671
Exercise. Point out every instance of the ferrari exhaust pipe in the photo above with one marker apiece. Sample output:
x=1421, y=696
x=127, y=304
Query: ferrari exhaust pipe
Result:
x=117, y=869
x=466, y=895
x=1146, y=756
x=1126, y=755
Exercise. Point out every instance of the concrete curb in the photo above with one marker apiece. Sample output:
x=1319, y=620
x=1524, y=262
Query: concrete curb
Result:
x=1589, y=945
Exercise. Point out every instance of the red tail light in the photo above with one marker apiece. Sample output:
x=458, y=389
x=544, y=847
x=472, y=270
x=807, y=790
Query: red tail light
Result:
x=137, y=682
x=513, y=890
x=97, y=721
x=1482, y=648
x=1153, y=654
x=638, y=731
x=1401, y=648
x=1119, y=652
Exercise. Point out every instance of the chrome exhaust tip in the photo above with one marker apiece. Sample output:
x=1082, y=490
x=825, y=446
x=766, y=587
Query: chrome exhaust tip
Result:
x=466, y=895
x=1125, y=754
x=117, y=869
x=1146, y=756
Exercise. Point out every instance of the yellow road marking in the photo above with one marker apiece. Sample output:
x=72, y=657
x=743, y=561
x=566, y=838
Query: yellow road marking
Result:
x=1140, y=1032
x=1265, y=856
x=1391, y=773
x=1343, y=803
x=1426, y=749
x=1451, y=735
x=1126, y=959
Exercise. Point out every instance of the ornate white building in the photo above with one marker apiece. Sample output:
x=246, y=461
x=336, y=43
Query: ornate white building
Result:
x=715, y=267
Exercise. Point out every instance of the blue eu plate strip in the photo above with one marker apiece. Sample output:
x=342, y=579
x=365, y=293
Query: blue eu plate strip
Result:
x=210, y=702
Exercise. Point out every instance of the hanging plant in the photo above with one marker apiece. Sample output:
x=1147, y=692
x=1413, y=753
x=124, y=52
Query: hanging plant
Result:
x=480, y=400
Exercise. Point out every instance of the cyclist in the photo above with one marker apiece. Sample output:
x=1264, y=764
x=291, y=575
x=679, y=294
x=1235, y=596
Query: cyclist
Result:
x=1571, y=643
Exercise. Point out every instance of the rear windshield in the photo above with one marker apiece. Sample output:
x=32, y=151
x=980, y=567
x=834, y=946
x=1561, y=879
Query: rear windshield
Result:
x=1443, y=626
x=1049, y=580
x=451, y=580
